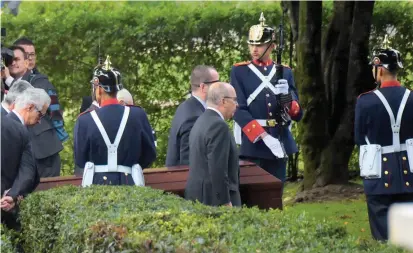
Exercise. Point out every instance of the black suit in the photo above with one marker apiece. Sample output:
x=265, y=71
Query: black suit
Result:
x=213, y=162
x=182, y=123
x=18, y=171
x=36, y=178
x=45, y=141
x=3, y=111
x=87, y=104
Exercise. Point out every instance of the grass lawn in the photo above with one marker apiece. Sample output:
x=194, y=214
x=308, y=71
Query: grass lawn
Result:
x=350, y=213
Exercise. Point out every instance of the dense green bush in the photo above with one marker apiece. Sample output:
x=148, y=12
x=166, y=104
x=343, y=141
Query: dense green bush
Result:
x=141, y=219
x=156, y=48
x=7, y=240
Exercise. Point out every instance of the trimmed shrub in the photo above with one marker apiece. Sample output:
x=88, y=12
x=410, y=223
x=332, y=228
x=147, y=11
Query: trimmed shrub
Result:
x=7, y=241
x=141, y=219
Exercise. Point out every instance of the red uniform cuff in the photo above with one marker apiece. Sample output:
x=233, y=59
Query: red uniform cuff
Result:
x=294, y=109
x=252, y=130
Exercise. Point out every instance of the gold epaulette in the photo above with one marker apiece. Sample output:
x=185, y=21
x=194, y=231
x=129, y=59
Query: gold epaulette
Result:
x=242, y=63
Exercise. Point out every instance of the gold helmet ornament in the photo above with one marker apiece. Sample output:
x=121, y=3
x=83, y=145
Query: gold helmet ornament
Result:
x=261, y=33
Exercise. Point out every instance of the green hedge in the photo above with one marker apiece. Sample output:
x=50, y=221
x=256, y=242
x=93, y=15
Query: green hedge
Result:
x=7, y=240
x=141, y=219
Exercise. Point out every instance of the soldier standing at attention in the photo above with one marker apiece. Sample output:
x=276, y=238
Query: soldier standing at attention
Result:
x=267, y=104
x=112, y=144
x=384, y=132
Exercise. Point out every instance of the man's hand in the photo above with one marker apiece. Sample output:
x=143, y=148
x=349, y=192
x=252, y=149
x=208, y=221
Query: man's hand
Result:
x=7, y=203
x=281, y=87
x=274, y=145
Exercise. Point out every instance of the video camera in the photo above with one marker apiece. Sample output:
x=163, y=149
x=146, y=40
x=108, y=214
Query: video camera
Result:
x=7, y=55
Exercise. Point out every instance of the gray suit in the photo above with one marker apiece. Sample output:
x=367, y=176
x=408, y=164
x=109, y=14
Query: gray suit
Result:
x=182, y=123
x=213, y=162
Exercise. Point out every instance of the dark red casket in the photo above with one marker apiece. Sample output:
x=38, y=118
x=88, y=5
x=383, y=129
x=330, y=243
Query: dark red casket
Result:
x=257, y=187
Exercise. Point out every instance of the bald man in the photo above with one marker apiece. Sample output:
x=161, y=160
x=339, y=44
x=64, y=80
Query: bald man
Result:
x=124, y=97
x=213, y=156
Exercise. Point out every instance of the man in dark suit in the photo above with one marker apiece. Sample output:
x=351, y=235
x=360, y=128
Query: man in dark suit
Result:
x=213, y=157
x=18, y=171
x=187, y=113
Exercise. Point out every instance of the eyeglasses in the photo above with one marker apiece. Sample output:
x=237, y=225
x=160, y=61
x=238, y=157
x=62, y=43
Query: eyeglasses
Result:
x=41, y=115
x=31, y=55
x=206, y=82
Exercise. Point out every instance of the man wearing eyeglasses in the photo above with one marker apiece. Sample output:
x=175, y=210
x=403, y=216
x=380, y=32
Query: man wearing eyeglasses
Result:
x=187, y=113
x=213, y=163
x=30, y=107
x=28, y=47
x=19, y=173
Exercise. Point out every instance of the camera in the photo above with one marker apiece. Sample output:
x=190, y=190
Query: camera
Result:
x=7, y=55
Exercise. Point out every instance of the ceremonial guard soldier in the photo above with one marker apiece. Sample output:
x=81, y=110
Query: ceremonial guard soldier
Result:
x=112, y=144
x=384, y=132
x=268, y=101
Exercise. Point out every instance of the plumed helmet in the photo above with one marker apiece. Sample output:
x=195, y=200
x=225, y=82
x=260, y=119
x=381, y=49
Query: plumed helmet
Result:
x=387, y=57
x=107, y=77
x=261, y=33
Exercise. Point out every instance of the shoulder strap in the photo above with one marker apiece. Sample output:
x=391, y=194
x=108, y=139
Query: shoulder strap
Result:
x=112, y=148
x=395, y=124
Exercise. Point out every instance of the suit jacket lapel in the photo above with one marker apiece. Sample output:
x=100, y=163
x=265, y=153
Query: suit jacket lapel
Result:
x=12, y=115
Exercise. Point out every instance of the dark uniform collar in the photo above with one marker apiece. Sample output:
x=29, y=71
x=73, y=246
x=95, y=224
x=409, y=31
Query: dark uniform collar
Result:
x=262, y=63
x=110, y=101
x=392, y=83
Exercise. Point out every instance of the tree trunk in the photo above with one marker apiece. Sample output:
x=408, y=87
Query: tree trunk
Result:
x=329, y=89
x=311, y=89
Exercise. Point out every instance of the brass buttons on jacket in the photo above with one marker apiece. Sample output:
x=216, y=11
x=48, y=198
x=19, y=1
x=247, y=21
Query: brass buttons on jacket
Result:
x=405, y=172
x=404, y=158
x=269, y=104
x=385, y=159
x=267, y=95
x=407, y=184
x=105, y=178
x=386, y=185
x=386, y=172
x=270, y=113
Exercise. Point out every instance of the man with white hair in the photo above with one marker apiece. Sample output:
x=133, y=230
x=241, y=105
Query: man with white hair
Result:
x=17, y=89
x=213, y=155
x=31, y=106
x=124, y=97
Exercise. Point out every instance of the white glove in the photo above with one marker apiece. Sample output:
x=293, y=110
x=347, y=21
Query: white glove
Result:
x=281, y=87
x=274, y=145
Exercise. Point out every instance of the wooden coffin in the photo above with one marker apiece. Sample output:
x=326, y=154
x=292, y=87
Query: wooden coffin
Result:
x=257, y=187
